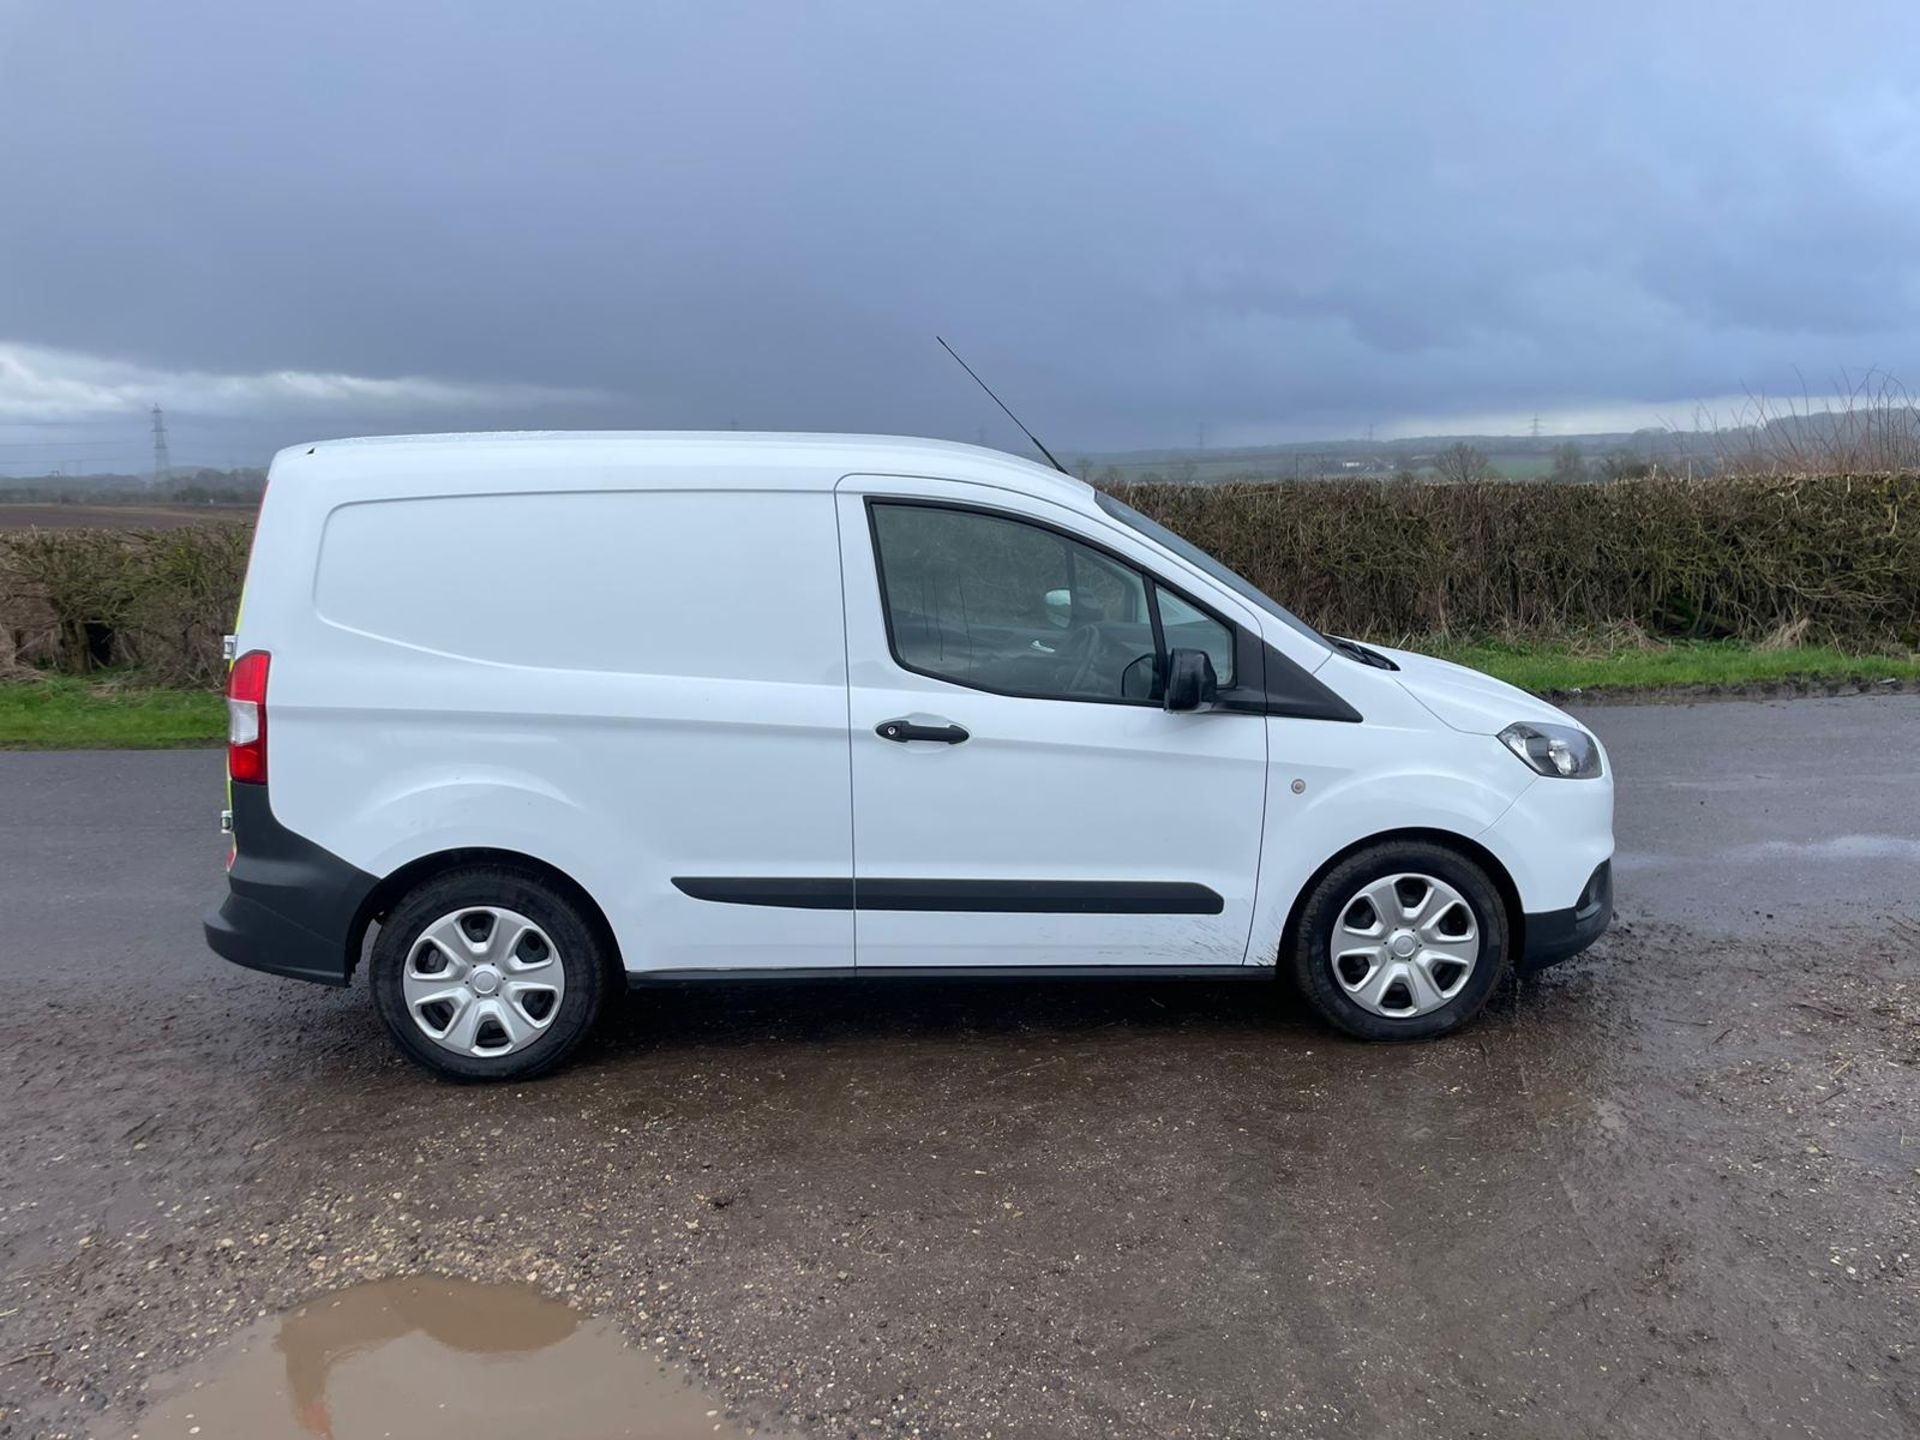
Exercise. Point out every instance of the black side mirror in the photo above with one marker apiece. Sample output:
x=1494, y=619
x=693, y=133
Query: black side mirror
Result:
x=1191, y=682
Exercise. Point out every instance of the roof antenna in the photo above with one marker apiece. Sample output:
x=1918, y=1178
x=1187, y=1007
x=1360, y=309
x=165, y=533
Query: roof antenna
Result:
x=1003, y=405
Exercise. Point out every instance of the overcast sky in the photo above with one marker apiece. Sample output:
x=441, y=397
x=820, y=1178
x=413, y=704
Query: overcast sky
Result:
x=1272, y=221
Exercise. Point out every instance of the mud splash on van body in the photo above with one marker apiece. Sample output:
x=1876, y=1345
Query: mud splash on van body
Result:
x=431, y=1359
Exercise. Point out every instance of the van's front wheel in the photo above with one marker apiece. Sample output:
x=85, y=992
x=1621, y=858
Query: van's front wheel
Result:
x=1401, y=941
x=487, y=974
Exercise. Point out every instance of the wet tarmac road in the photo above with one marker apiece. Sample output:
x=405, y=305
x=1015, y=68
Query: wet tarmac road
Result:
x=1671, y=1189
x=1791, y=810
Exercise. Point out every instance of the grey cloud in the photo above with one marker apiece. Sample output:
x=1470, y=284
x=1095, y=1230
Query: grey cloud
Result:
x=1135, y=218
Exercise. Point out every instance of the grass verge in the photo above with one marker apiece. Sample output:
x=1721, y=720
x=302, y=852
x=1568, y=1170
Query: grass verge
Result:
x=62, y=713
x=1546, y=668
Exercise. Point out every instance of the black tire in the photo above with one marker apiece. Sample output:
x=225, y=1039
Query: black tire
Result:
x=1311, y=962
x=581, y=955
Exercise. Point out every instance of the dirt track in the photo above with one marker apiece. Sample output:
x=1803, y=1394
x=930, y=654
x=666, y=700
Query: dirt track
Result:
x=1672, y=1189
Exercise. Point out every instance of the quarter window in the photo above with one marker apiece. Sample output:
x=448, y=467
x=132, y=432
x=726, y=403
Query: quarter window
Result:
x=1000, y=604
x=1187, y=627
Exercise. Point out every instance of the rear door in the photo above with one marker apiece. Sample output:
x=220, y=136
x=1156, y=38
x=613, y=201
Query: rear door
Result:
x=1020, y=796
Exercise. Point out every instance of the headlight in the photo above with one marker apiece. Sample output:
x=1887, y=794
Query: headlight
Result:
x=1563, y=750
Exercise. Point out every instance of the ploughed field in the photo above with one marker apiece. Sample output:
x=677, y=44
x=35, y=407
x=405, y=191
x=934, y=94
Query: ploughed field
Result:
x=1670, y=1189
x=24, y=516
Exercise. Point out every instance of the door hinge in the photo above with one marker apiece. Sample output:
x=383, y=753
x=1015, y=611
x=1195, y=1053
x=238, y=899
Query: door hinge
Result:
x=228, y=644
x=226, y=822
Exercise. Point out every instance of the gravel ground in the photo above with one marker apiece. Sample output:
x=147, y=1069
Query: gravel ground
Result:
x=1670, y=1189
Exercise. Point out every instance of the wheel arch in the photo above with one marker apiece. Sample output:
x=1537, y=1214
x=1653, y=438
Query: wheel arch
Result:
x=388, y=893
x=1453, y=840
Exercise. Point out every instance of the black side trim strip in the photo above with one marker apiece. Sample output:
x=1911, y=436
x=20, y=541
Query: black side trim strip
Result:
x=788, y=893
x=1083, y=897
x=1022, y=897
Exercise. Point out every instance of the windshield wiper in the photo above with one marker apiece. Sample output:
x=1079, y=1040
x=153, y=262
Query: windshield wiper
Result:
x=1354, y=650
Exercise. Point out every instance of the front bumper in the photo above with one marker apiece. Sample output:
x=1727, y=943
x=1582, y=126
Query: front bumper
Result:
x=1552, y=841
x=293, y=908
x=1556, y=935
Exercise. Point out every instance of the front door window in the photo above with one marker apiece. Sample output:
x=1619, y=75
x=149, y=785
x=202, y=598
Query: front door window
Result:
x=1000, y=604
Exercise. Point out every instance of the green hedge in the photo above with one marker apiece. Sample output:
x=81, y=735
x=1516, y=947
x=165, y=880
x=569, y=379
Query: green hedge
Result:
x=1725, y=558
x=78, y=600
x=1836, y=558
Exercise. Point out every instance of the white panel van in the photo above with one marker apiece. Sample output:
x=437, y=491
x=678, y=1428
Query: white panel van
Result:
x=544, y=716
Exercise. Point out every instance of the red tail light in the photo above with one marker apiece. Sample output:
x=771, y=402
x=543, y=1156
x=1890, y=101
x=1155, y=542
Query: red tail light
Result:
x=247, y=718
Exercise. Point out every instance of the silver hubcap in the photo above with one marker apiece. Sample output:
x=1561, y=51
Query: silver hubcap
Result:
x=1404, y=945
x=483, y=981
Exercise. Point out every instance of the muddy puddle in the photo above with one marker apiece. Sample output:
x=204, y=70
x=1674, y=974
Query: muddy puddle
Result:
x=425, y=1358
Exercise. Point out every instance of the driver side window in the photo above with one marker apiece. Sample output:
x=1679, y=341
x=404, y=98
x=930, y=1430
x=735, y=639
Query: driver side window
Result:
x=1001, y=604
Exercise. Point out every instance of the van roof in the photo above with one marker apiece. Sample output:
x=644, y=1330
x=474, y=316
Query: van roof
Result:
x=832, y=455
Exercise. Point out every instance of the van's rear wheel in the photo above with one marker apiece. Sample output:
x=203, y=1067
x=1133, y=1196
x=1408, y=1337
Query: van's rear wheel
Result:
x=486, y=973
x=1402, y=941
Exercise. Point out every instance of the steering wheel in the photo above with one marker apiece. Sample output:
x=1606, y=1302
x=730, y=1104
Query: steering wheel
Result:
x=1088, y=660
x=1073, y=657
x=1098, y=656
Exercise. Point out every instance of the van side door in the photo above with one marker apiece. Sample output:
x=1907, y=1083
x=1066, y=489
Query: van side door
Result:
x=1021, y=796
x=644, y=688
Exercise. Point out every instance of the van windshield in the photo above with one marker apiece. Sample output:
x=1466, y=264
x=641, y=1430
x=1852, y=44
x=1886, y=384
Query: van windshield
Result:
x=1199, y=558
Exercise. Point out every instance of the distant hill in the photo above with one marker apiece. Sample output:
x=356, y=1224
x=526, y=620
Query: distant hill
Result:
x=1867, y=437
x=1517, y=457
x=181, y=487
